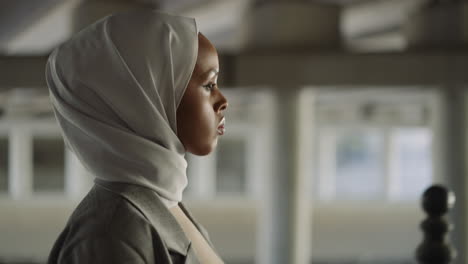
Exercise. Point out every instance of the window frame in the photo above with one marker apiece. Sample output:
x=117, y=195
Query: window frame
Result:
x=325, y=192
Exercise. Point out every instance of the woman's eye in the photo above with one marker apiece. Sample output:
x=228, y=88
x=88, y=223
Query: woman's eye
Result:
x=210, y=86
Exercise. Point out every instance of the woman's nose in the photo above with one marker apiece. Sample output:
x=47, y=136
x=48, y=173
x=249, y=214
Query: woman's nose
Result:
x=222, y=103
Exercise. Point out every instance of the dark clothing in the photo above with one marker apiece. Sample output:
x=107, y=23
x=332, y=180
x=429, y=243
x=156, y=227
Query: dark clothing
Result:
x=123, y=223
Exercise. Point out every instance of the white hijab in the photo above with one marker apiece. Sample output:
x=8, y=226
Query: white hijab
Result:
x=115, y=88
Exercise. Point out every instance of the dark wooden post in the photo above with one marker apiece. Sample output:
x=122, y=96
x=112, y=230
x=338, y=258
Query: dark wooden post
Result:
x=435, y=249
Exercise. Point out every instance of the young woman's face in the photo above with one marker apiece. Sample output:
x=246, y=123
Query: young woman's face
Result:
x=200, y=116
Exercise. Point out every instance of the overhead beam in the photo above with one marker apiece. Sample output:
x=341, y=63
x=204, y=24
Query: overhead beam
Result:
x=292, y=70
x=399, y=69
x=22, y=71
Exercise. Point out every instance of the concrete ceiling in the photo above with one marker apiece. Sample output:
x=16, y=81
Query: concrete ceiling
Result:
x=16, y=16
x=35, y=27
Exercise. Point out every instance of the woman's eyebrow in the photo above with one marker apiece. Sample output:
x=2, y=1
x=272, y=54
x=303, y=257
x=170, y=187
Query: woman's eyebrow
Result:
x=210, y=74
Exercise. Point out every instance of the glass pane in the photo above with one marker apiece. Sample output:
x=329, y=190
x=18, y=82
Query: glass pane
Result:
x=414, y=166
x=3, y=164
x=48, y=158
x=359, y=170
x=230, y=166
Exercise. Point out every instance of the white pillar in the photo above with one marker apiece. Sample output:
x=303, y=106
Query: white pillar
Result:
x=455, y=163
x=306, y=131
x=285, y=209
x=77, y=179
x=273, y=233
x=439, y=131
x=20, y=163
x=265, y=225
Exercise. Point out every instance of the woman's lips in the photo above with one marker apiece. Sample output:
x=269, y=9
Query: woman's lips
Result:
x=221, y=128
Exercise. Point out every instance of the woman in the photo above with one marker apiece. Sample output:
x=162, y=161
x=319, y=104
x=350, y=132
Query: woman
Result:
x=132, y=94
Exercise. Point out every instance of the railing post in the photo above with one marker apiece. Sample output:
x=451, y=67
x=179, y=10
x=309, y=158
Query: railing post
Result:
x=435, y=249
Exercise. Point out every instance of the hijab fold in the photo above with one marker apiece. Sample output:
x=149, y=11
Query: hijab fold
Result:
x=115, y=87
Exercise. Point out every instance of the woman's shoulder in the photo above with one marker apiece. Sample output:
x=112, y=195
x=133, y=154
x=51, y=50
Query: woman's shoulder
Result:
x=102, y=212
x=104, y=224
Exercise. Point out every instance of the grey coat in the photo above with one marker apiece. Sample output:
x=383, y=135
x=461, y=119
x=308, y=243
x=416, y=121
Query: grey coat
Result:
x=123, y=223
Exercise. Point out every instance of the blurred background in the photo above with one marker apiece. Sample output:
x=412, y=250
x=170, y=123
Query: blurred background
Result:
x=341, y=113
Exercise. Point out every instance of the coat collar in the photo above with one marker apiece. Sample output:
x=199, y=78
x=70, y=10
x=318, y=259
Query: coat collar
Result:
x=149, y=203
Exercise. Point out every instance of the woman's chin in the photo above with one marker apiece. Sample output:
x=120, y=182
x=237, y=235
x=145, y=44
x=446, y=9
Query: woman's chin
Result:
x=205, y=149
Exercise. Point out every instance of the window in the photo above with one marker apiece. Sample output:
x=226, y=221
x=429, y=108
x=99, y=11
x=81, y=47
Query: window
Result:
x=48, y=162
x=373, y=146
x=413, y=161
x=359, y=164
